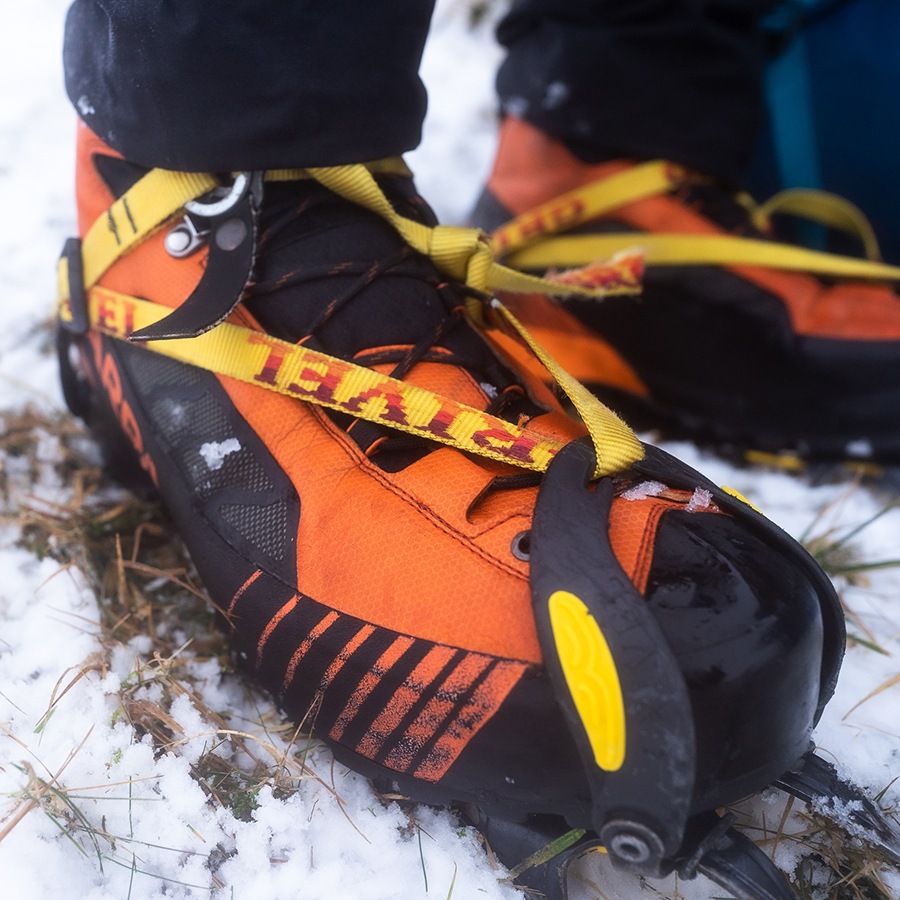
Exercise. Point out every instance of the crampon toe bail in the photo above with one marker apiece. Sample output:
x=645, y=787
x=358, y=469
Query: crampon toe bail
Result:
x=610, y=664
x=678, y=697
x=656, y=464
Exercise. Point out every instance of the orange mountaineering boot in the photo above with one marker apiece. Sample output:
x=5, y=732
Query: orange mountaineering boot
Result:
x=485, y=601
x=737, y=339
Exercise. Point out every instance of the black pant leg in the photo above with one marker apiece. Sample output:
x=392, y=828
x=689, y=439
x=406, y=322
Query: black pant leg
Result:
x=248, y=84
x=678, y=79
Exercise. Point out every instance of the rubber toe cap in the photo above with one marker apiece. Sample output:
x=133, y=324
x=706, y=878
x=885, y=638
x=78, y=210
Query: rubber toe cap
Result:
x=745, y=626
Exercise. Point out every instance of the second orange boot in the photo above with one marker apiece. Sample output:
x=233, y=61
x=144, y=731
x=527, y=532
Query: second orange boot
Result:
x=737, y=339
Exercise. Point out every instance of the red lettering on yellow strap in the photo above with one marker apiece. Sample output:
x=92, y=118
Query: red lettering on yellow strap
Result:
x=236, y=352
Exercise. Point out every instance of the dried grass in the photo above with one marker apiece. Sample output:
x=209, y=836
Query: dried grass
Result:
x=146, y=588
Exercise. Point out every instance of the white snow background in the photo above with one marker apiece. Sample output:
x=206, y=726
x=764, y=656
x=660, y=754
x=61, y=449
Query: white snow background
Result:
x=307, y=845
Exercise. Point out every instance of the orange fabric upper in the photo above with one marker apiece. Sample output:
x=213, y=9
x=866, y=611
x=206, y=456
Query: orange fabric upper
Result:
x=409, y=551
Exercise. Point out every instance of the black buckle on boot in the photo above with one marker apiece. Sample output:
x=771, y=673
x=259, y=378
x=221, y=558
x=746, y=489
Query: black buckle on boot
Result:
x=231, y=222
x=79, y=322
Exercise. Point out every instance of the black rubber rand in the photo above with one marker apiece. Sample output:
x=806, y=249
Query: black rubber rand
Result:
x=724, y=364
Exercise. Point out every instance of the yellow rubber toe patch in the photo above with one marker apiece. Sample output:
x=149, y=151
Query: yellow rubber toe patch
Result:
x=591, y=675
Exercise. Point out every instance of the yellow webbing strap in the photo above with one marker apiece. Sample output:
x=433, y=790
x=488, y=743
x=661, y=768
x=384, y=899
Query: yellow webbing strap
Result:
x=250, y=356
x=391, y=165
x=539, y=238
x=698, y=250
x=296, y=371
x=615, y=444
x=826, y=209
x=583, y=204
x=462, y=253
x=137, y=214
x=152, y=202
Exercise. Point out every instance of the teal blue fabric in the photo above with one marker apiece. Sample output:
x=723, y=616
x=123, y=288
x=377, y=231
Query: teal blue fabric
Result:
x=833, y=99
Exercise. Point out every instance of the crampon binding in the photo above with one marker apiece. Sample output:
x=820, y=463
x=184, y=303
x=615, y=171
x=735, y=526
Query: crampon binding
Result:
x=643, y=809
x=540, y=852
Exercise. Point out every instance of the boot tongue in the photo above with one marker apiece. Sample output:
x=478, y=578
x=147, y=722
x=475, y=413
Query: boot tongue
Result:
x=118, y=174
x=339, y=278
x=314, y=248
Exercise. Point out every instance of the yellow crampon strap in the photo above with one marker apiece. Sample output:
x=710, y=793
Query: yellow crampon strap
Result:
x=826, y=209
x=152, y=203
x=700, y=250
x=535, y=240
x=296, y=371
x=615, y=443
x=464, y=254
x=259, y=359
x=136, y=215
x=587, y=203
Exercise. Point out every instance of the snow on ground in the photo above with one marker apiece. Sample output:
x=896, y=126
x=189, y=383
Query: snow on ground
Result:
x=63, y=742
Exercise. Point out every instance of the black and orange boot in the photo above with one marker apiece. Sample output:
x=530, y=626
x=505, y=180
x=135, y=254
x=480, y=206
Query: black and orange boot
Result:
x=485, y=601
x=737, y=340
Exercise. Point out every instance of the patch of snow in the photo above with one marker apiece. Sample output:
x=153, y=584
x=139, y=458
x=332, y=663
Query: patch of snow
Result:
x=556, y=94
x=643, y=490
x=214, y=452
x=700, y=500
x=85, y=107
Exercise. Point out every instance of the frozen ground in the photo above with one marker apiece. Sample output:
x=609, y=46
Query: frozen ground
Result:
x=88, y=809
